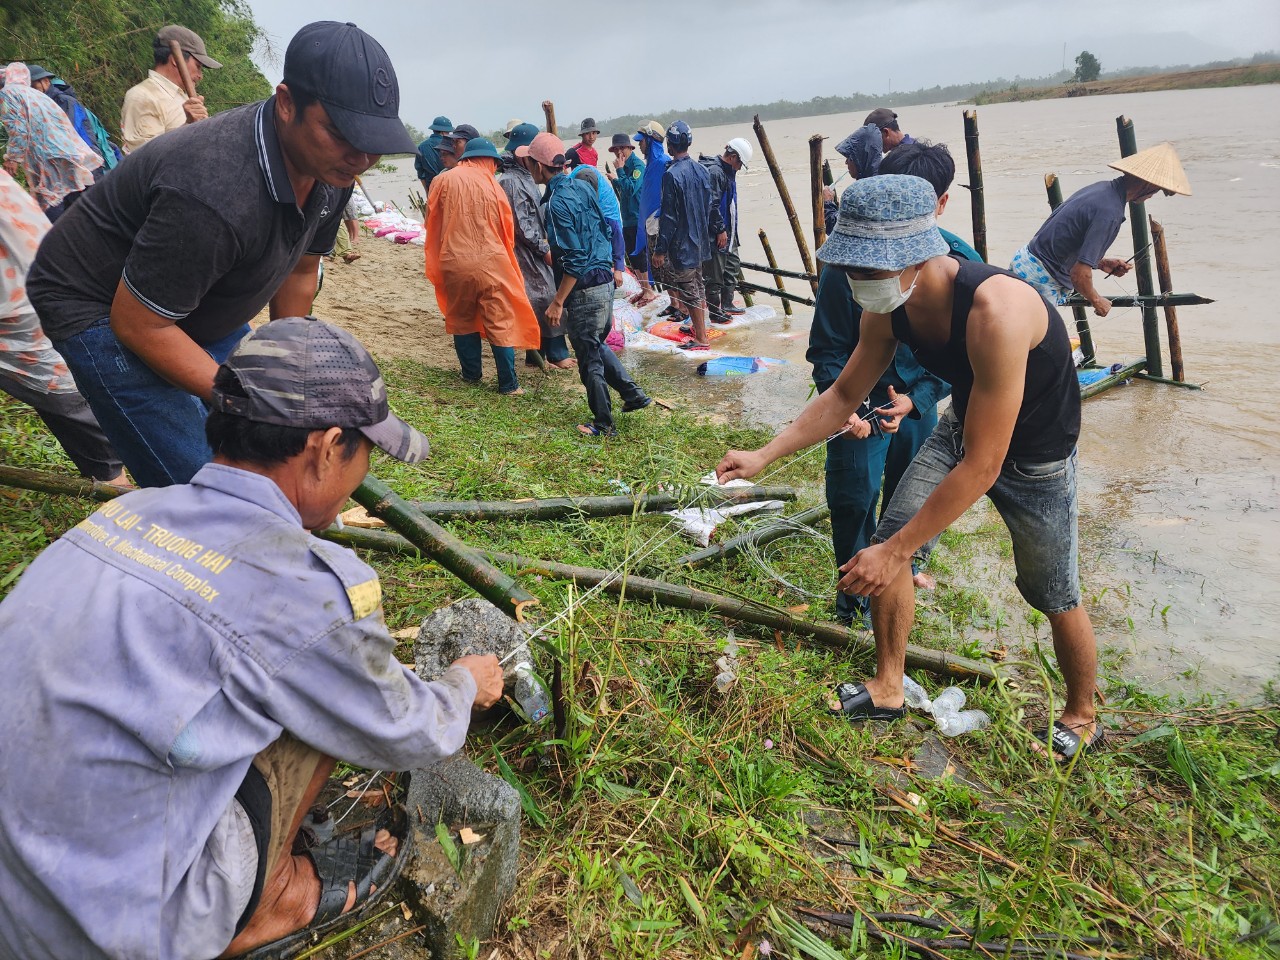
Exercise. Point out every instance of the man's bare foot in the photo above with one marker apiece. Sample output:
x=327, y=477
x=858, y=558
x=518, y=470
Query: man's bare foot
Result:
x=351, y=256
x=923, y=581
x=517, y=392
x=289, y=900
x=566, y=364
x=646, y=297
x=121, y=480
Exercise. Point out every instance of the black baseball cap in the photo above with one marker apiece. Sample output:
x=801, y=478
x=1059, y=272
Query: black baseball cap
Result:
x=303, y=372
x=349, y=72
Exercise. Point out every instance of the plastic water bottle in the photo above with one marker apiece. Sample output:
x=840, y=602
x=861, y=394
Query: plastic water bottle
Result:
x=948, y=703
x=531, y=695
x=953, y=725
x=917, y=699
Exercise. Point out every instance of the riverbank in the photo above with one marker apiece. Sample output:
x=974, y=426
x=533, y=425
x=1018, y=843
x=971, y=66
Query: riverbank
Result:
x=1251, y=75
x=674, y=821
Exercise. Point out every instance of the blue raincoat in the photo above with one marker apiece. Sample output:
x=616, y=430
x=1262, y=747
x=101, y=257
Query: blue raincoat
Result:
x=656, y=162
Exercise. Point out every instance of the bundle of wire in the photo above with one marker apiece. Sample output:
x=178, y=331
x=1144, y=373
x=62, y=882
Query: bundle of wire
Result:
x=779, y=530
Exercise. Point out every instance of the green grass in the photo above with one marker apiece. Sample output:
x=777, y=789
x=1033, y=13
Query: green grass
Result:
x=673, y=821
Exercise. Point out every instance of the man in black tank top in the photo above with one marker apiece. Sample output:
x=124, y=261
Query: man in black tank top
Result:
x=1010, y=434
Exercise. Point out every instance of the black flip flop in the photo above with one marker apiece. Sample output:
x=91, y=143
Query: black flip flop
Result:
x=633, y=407
x=1065, y=743
x=857, y=706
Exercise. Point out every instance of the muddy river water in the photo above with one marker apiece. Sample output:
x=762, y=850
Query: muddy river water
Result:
x=1180, y=501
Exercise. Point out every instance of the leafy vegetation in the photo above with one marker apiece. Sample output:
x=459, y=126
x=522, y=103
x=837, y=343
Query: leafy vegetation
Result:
x=103, y=47
x=1087, y=67
x=671, y=820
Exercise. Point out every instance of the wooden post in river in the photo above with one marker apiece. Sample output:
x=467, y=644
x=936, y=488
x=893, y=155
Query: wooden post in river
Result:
x=1142, y=257
x=768, y=255
x=549, y=111
x=1166, y=286
x=977, y=200
x=815, y=188
x=785, y=195
x=1054, y=189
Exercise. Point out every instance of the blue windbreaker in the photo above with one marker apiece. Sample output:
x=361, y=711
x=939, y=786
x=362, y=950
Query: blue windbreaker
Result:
x=656, y=162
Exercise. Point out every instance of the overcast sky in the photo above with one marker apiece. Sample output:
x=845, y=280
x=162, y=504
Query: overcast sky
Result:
x=484, y=62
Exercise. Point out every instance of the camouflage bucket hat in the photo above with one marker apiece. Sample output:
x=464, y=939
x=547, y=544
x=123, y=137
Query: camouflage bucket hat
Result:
x=303, y=372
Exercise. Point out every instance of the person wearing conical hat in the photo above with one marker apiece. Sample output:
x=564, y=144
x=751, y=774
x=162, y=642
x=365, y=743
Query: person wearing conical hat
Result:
x=1070, y=245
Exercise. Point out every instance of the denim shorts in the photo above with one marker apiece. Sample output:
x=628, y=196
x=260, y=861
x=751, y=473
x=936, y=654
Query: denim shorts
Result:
x=1037, y=502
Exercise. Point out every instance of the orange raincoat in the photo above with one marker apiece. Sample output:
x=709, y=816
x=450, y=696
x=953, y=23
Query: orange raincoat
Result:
x=471, y=258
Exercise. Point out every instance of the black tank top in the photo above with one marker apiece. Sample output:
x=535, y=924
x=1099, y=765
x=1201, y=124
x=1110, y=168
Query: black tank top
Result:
x=1049, y=419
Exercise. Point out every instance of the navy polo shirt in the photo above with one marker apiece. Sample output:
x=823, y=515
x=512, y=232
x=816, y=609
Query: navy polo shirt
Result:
x=202, y=225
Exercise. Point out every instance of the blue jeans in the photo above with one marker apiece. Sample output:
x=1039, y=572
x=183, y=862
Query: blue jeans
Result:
x=469, y=349
x=553, y=350
x=588, y=315
x=157, y=429
x=856, y=471
x=1037, y=502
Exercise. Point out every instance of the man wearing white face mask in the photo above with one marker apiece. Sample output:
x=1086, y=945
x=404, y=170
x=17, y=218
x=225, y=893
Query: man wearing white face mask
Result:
x=1010, y=434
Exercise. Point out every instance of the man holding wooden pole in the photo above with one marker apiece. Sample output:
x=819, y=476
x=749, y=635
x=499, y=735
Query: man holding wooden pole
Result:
x=167, y=99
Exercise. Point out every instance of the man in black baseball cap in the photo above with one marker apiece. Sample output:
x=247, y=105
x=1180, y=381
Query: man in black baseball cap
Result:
x=348, y=72
x=148, y=289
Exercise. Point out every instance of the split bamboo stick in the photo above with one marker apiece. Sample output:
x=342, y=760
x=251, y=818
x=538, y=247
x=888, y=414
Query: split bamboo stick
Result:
x=557, y=507
x=779, y=272
x=773, y=263
x=785, y=195
x=57, y=483
x=787, y=298
x=759, y=537
x=458, y=558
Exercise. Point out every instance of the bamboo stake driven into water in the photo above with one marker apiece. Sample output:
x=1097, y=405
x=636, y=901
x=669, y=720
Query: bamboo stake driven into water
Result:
x=785, y=195
x=1170, y=312
x=815, y=189
x=1142, y=259
x=977, y=199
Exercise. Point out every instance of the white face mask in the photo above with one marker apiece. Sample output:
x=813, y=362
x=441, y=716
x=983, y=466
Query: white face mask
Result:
x=881, y=296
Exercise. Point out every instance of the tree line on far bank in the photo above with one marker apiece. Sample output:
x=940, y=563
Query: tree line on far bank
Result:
x=103, y=47
x=824, y=106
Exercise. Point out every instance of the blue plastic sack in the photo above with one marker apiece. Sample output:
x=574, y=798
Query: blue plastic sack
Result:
x=736, y=366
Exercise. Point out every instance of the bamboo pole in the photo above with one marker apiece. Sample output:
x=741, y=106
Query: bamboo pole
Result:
x=747, y=299
x=1170, y=312
x=555, y=508
x=977, y=199
x=787, y=298
x=815, y=189
x=549, y=111
x=57, y=483
x=1142, y=260
x=768, y=255
x=1152, y=301
x=462, y=561
x=1168, y=382
x=785, y=196
x=779, y=272
x=690, y=598
x=759, y=537
x=1054, y=189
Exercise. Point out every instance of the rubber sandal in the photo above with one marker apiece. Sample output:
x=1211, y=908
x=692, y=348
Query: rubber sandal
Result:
x=693, y=345
x=339, y=861
x=857, y=706
x=1065, y=743
x=591, y=430
x=633, y=407
x=735, y=311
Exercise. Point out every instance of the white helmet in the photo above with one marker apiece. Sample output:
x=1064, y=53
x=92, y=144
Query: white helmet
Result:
x=741, y=148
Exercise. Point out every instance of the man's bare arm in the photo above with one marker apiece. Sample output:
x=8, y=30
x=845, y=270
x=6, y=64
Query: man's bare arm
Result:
x=163, y=347
x=296, y=294
x=828, y=411
x=1082, y=281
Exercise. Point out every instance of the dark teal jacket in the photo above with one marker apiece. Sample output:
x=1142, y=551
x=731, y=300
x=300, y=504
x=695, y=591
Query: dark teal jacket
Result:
x=628, y=186
x=580, y=237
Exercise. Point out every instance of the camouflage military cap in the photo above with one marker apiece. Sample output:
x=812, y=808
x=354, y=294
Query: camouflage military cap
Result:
x=303, y=372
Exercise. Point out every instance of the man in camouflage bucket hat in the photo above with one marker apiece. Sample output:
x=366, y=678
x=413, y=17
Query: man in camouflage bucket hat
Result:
x=1010, y=434
x=217, y=660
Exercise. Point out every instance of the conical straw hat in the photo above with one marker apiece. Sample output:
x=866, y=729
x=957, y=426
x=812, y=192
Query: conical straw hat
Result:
x=1159, y=166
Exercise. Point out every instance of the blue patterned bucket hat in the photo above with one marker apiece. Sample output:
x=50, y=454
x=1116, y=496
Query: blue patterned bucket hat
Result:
x=885, y=223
